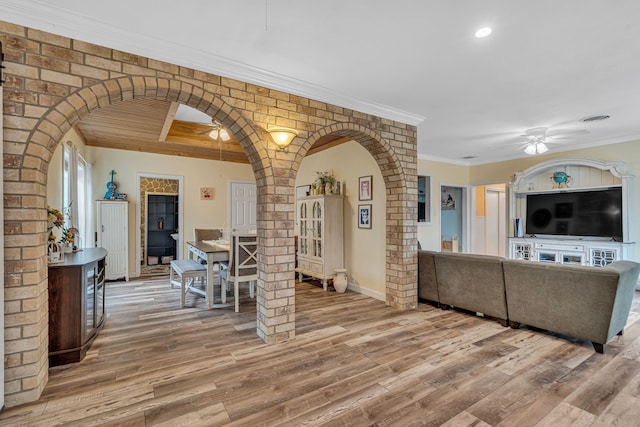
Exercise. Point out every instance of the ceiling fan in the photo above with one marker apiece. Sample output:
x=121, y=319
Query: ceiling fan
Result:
x=538, y=138
x=216, y=131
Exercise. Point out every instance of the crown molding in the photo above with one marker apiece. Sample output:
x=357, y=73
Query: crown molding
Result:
x=64, y=22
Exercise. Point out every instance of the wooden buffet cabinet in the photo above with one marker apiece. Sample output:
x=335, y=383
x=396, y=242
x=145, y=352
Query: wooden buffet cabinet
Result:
x=76, y=304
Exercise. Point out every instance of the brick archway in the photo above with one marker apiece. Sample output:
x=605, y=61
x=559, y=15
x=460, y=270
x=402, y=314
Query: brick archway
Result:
x=401, y=187
x=60, y=119
x=52, y=82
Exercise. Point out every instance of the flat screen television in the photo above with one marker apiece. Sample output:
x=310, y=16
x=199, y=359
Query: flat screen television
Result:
x=593, y=213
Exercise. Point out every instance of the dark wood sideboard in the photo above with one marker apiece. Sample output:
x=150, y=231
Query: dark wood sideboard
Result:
x=76, y=304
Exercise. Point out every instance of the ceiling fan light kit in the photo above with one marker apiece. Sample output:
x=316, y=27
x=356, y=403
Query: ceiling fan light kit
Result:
x=219, y=133
x=533, y=148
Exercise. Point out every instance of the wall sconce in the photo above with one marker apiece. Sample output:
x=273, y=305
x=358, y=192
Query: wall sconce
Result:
x=282, y=136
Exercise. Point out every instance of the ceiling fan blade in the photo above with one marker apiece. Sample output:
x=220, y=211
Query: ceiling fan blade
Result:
x=567, y=132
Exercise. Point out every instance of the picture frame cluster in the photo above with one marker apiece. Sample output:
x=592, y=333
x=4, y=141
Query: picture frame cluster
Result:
x=365, y=193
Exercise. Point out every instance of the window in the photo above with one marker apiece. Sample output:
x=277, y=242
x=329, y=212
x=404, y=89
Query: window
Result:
x=424, y=199
x=76, y=194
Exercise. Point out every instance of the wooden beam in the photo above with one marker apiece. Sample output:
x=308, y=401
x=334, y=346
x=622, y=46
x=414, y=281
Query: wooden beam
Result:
x=171, y=114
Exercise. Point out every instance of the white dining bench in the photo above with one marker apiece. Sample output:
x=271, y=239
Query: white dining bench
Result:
x=188, y=270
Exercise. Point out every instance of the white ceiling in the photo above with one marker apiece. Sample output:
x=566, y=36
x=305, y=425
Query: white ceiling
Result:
x=548, y=63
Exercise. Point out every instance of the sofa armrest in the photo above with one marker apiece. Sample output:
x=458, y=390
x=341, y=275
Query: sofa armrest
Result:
x=427, y=285
x=628, y=279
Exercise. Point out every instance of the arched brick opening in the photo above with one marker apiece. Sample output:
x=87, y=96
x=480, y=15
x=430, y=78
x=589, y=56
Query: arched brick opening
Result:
x=51, y=82
x=61, y=117
x=49, y=132
x=401, y=209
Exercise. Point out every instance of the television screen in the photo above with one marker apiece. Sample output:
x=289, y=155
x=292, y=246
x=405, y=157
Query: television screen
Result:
x=596, y=213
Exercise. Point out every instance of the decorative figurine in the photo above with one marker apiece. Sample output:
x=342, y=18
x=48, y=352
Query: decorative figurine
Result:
x=111, y=193
x=560, y=180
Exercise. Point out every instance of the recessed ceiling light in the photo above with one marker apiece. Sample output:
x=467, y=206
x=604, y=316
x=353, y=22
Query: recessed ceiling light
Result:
x=483, y=32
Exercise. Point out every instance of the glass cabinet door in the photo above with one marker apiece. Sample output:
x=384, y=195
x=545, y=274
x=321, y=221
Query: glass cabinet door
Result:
x=316, y=227
x=304, y=230
x=90, y=286
x=99, y=281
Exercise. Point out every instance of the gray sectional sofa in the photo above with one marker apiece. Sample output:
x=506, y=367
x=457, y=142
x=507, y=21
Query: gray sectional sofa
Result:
x=590, y=303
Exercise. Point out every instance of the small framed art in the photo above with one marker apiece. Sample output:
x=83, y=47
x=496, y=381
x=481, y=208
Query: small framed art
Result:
x=364, y=216
x=364, y=188
x=448, y=202
x=207, y=193
x=302, y=191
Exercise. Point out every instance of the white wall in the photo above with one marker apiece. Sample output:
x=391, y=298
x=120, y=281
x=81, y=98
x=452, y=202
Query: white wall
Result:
x=364, y=249
x=195, y=172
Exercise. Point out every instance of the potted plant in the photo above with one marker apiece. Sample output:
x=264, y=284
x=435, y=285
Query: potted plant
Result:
x=324, y=183
x=68, y=238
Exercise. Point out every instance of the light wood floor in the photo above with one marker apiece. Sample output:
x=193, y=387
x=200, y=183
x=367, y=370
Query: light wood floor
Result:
x=354, y=362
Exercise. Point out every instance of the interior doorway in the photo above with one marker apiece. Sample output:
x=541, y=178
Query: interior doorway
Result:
x=489, y=223
x=161, y=222
x=453, y=224
x=154, y=230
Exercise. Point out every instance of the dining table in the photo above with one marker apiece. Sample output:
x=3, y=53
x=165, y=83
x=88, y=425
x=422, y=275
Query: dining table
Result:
x=213, y=252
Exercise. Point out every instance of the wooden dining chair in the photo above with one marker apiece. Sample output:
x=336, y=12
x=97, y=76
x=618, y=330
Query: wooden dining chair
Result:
x=207, y=234
x=242, y=266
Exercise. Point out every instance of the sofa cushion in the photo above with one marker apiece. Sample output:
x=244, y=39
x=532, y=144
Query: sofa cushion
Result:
x=471, y=282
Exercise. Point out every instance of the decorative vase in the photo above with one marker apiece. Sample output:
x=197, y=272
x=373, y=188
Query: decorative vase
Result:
x=54, y=252
x=340, y=280
x=328, y=188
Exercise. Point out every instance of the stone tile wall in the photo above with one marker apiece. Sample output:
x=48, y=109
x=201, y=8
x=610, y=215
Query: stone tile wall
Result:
x=52, y=82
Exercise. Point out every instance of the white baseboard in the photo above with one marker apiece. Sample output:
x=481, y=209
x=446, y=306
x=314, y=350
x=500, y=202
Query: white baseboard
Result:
x=368, y=292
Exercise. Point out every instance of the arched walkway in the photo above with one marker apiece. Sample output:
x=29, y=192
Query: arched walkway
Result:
x=43, y=104
x=398, y=184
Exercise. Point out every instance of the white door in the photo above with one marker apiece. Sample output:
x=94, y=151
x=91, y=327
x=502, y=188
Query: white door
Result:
x=243, y=207
x=495, y=237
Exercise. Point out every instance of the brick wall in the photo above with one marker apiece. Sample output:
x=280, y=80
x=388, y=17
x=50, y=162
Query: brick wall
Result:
x=52, y=82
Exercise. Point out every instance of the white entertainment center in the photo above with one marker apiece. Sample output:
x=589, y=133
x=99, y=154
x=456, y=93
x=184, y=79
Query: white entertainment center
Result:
x=582, y=175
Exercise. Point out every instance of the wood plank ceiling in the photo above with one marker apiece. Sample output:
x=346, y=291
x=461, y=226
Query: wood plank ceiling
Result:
x=148, y=126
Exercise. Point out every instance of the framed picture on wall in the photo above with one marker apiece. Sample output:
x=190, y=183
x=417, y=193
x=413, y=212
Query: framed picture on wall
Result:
x=364, y=188
x=207, y=193
x=364, y=216
x=448, y=201
x=302, y=191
